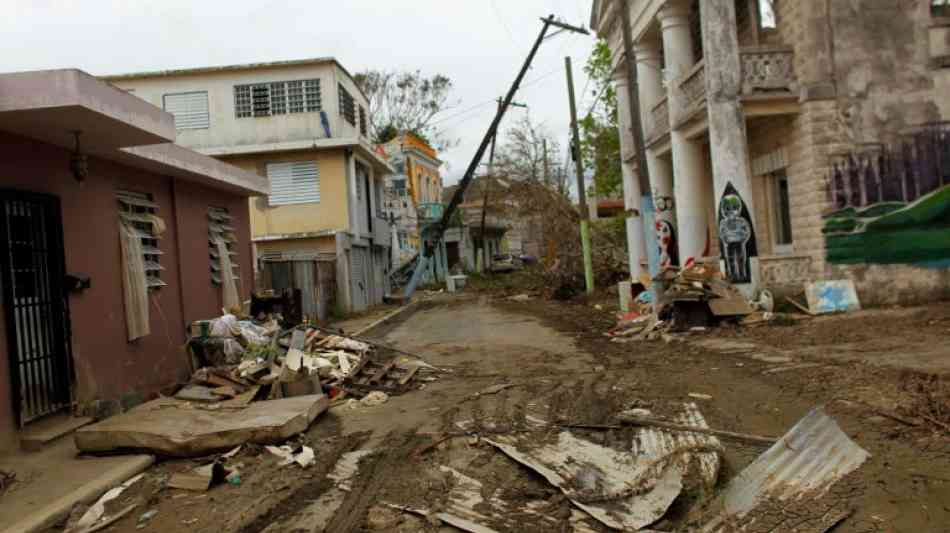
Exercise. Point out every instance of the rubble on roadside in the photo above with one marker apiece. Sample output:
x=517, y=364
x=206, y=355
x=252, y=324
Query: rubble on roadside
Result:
x=689, y=299
x=254, y=381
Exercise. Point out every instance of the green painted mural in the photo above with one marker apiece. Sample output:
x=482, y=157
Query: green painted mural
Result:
x=892, y=205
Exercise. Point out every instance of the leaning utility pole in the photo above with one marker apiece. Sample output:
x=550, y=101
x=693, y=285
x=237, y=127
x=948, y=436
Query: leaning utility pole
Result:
x=581, y=193
x=432, y=234
x=633, y=97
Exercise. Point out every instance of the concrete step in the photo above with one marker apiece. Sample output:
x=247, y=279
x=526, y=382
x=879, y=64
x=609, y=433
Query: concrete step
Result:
x=40, y=433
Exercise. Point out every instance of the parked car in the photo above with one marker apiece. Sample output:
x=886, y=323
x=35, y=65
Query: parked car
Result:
x=506, y=263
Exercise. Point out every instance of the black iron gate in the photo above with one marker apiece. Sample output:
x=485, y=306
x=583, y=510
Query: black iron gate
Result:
x=35, y=306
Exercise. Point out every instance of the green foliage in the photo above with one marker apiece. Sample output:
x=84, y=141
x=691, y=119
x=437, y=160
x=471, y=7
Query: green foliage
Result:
x=600, y=139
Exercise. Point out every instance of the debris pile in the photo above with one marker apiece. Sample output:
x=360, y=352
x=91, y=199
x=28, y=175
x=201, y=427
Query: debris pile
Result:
x=255, y=381
x=693, y=298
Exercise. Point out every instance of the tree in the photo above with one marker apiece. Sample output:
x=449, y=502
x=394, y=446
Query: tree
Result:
x=522, y=157
x=406, y=101
x=600, y=139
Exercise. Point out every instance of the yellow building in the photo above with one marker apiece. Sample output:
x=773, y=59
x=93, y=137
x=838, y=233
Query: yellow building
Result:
x=304, y=125
x=416, y=183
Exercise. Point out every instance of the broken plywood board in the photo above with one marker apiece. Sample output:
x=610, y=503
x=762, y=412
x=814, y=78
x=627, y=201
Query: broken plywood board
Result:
x=623, y=489
x=789, y=483
x=168, y=427
x=831, y=296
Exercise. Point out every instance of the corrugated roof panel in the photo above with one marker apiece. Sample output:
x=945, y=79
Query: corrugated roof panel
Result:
x=803, y=464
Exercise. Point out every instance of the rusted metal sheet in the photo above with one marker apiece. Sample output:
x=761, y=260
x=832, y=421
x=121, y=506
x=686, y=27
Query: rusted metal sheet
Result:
x=623, y=489
x=787, y=487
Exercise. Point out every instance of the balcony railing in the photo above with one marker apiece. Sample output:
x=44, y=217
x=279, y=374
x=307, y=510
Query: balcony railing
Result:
x=693, y=87
x=661, y=119
x=767, y=69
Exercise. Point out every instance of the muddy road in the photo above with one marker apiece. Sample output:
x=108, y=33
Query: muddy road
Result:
x=509, y=366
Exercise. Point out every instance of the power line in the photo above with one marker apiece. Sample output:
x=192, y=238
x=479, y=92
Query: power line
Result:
x=501, y=19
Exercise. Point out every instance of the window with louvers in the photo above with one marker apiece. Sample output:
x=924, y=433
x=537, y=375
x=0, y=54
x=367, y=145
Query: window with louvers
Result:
x=347, y=106
x=219, y=228
x=189, y=109
x=296, y=182
x=138, y=211
x=277, y=98
x=362, y=121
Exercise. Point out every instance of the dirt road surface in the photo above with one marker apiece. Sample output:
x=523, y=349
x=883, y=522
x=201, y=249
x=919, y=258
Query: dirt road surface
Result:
x=559, y=367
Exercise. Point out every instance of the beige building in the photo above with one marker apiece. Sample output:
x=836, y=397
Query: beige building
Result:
x=304, y=125
x=790, y=140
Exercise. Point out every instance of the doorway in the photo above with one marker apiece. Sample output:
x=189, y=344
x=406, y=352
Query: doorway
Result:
x=32, y=271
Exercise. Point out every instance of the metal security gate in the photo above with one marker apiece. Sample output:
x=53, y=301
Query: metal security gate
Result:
x=359, y=281
x=34, y=302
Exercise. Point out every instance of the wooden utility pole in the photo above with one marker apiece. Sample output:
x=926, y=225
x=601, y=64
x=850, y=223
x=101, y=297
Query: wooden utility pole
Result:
x=579, y=170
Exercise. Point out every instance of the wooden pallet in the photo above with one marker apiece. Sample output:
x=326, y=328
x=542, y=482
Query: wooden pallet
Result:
x=388, y=377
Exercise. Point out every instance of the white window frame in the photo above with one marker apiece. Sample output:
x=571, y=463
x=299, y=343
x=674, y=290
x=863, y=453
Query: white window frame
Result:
x=289, y=97
x=193, y=118
x=294, y=182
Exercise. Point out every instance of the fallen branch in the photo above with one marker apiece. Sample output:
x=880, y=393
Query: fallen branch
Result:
x=643, y=421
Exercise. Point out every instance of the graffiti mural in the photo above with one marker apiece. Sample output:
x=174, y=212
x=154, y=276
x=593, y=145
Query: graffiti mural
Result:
x=666, y=243
x=736, y=235
x=892, y=204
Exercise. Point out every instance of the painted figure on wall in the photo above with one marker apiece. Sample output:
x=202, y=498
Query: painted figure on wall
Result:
x=736, y=236
x=666, y=243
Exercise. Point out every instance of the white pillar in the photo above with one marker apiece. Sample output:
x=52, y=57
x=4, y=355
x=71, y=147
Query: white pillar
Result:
x=650, y=82
x=691, y=191
x=732, y=178
x=632, y=194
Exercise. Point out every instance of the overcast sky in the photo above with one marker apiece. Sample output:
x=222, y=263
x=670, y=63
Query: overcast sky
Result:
x=479, y=44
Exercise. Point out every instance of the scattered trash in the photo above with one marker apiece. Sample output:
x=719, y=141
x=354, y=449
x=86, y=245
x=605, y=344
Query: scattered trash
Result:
x=146, y=516
x=374, y=398
x=199, y=479
x=638, y=419
x=94, y=514
x=698, y=396
x=494, y=389
x=303, y=455
x=520, y=298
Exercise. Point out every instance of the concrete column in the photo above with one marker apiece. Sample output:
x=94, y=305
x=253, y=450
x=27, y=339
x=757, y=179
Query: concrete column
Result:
x=691, y=191
x=732, y=181
x=631, y=182
x=650, y=82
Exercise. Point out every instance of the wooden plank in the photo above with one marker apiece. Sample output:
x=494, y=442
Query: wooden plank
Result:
x=729, y=306
x=412, y=372
x=382, y=372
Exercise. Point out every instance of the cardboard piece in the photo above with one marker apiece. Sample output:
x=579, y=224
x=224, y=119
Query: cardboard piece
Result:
x=167, y=427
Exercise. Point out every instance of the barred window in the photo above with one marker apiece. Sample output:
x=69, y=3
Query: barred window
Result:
x=220, y=229
x=362, y=121
x=347, y=106
x=137, y=211
x=277, y=98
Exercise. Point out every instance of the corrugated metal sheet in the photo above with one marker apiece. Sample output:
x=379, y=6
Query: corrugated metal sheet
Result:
x=800, y=468
x=469, y=510
x=623, y=490
x=190, y=110
x=297, y=182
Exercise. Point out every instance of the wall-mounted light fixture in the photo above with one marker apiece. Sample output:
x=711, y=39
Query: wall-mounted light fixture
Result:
x=78, y=161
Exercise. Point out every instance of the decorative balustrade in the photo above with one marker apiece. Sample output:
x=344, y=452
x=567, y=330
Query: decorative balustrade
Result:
x=661, y=119
x=767, y=69
x=693, y=86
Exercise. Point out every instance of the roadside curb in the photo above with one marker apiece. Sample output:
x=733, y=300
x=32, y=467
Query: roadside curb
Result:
x=384, y=319
x=59, y=509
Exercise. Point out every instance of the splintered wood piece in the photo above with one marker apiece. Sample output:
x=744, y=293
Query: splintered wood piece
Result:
x=412, y=372
x=381, y=373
